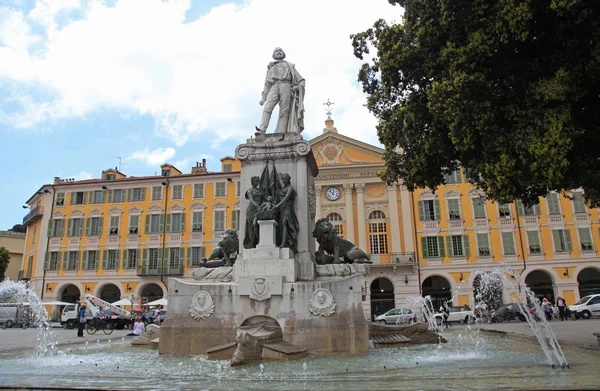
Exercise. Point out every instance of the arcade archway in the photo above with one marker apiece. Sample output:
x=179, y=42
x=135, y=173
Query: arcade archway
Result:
x=540, y=282
x=382, y=296
x=70, y=294
x=151, y=292
x=438, y=288
x=589, y=281
x=110, y=293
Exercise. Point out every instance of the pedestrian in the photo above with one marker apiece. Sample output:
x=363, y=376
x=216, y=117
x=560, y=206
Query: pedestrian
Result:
x=138, y=327
x=445, y=313
x=562, y=308
x=546, y=309
x=82, y=320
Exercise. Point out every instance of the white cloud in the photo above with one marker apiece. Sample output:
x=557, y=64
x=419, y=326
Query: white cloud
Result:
x=83, y=175
x=186, y=163
x=153, y=158
x=202, y=77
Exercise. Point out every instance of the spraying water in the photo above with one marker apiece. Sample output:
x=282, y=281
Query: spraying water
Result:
x=19, y=292
x=424, y=306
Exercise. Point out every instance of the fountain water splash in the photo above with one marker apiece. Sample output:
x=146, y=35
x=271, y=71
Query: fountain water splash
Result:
x=19, y=292
x=424, y=306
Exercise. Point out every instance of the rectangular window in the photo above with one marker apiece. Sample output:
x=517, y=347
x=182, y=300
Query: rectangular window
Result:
x=134, y=222
x=156, y=193
x=454, y=209
x=60, y=199
x=110, y=177
x=58, y=228
x=33, y=236
x=553, y=203
x=96, y=228
x=585, y=238
x=197, y=221
x=535, y=245
x=220, y=189
x=457, y=246
x=176, y=219
x=92, y=260
x=198, y=253
x=579, y=202
x=433, y=250
x=75, y=227
x=479, y=208
x=483, y=245
x=112, y=260
x=378, y=238
x=72, y=261
x=508, y=243
x=166, y=173
x=155, y=223
x=153, y=258
x=177, y=192
x=97, y=197
x=199, y=190
x=132, y=259
x=453, y=177
x=136, y=194
x=237, y=188
x=77, y=198
x=504, y=210
x=219, y=220
x=429, y=210
x=118, y=195
x=235, y=219
x=528, y=210
x=562, y=240
x=227, y=167
x=54, y=263
x=174, y=257
x=114, y=225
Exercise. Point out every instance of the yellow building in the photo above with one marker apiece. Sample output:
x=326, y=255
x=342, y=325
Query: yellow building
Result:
x=119, y=236
x=14, y=242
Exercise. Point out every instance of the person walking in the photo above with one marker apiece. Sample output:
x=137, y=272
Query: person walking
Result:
x=546, y=309
x=445, y=313
x=562, y=308
x=82, y=320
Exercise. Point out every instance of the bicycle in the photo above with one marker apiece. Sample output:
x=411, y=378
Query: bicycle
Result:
x=105, y=326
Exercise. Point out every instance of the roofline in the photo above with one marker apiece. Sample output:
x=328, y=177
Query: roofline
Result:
x=349, y=139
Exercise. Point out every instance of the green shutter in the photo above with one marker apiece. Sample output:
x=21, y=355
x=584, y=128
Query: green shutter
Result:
x=568, y=241
x=50, y=227
x=161, y=255
x=88, y=226
x=87, y=197
x=125, y=258
x=234, y=222
x=520, y=208
x=61, y=230
x=129, y=195
x=454, y=207
x=458, y=175
x=80, y=229
x=585, y=235
x=182, y=223
x=438, y=214
x=46, y=260
x=145, y=257
x=147, y=225
x=169, y=223
x=441, y=246
x=536, y=209
x=118, y=259
x=466, y=246
x=137, y=258
x=553, y=203
x=71, y=198
x=143, y=194
x=421, y=211
x=533, y=239
x=424, y=246
x=104, y=195
x=65, y=260
x=479, y=207
x=449, y=246
x=556, y=238
x=111, y=196
x=161, y=223
x=104, y=259
x=84, y=260
x=70, y=227
x=508, y=243
x=188, y=256
x=181, y=256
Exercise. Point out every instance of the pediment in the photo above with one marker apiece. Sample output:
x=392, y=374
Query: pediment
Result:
x=96, y=213
x=452, y=194
x=236, y=205
x=220, y=205
x=135, y=211
x=115, y=211
x=427, y=195
x=177, y=208
x=333, y=149
x=78, y=213
x=476, y=193
x=58, y=215
x=198, y=206
x=156, y=209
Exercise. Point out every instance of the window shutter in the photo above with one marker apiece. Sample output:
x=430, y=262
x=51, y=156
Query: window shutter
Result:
x=145, y=257
x=65, y=260
x=196, y=190
x=168, y=223
x=61, y=227
x=70, y=227
x=520, y=208
x=479, y=207
x=111, y=196
x=553, y=204
x=188, y=256
x=87, y=195
x=46, y=260
x=100, y=226
x=72, y=198
x=421, y=211
x=437, y=209
x=118, y=259
x=51, y=227
x=161, y=223
x=125, y=258
x=137, y=258
x=129, y=195
x=88, y=226
x=441, y=246
x=161, y=256
x=181, y=256
x=556, y=238
x=449, y=245
x=104, y=195
x=568, y=241
x=458, y=176
x=182, y=223
x=466, y=246
x=147, y=225
x=234, y=222
x=84, y=260
x=424, y=246
x=143, y=194
x=536, y=209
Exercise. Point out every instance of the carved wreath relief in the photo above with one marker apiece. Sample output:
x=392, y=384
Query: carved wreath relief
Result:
x=321, y=303
x=260, y=289
x=202, y=305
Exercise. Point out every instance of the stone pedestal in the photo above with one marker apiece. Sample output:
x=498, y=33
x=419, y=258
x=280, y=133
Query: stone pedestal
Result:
x=266, y=234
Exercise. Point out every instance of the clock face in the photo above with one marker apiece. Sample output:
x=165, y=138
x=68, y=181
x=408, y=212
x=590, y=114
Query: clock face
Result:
x=333, y=194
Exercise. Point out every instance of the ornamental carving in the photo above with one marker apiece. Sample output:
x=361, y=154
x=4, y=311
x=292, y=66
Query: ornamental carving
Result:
x=260, y=289
x=312, y=197
x=322, y=303
x=202, y=305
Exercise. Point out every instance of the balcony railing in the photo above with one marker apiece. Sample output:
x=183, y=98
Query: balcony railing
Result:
x=160, y=270
x=34, y=215
x=394, y=259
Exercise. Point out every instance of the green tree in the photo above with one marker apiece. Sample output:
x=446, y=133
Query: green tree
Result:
x=507, y=89
x=4, y=260
x=19, y=228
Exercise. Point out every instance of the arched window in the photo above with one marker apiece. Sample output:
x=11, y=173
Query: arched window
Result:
x=336, y=220
x=378, y=232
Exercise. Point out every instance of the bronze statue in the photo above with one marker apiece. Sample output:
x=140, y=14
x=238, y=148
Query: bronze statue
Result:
x=288, y=227
x=221, y=255
x=332, y=247
x=255, y=197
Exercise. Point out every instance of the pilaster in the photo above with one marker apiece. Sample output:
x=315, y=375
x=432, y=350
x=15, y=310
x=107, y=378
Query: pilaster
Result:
x=394, y=222
x=349, y=213
x=406, y=219
x=360, y=211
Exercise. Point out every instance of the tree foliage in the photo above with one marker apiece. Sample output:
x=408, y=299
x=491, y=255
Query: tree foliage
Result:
x=18, y=228
x=4, y=260
x=507, y=89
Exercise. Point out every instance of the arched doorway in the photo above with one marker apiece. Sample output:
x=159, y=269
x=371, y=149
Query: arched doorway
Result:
x=438, y=288
x=540, y=283
x=70, y=294
x=382, y=296
x=110, y=293
x=488, y=291
x=589, y=281
x=151, y=292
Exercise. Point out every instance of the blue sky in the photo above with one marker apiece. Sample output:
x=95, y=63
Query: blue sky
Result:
x=154, y=81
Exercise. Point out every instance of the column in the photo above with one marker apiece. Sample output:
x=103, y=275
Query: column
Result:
x=318, y=194
x=407, y=228
x=394, y=221
x=349, y=213
x=360, y=211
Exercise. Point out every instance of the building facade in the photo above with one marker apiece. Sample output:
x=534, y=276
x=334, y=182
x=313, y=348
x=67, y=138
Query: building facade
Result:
x=119, y=236
x=14, y=242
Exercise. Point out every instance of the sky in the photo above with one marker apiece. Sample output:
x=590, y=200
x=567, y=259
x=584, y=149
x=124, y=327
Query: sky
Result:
x=83, y=82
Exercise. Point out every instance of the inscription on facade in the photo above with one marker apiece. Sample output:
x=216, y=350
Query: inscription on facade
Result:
x=342, y=175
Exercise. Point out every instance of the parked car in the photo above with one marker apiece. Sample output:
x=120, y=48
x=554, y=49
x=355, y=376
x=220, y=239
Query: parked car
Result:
x=457, y=314
x=397, y=316
x=15, y=315
x=508, y=312
x=587, y=307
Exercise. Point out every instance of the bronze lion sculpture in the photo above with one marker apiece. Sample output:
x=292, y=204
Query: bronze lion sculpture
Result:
x=333, y=249
x=221, y=255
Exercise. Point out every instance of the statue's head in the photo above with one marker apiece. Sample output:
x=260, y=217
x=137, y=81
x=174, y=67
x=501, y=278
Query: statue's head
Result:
x=278, y=54
x=321, y=297
x=255, y=180
x=202, y=300
x=285, y=178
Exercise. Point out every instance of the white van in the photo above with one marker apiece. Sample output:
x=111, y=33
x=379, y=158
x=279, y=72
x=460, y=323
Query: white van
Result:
x=15, y=315
x=587, y=307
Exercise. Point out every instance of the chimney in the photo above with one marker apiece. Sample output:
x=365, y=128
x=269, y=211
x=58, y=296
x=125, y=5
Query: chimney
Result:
x=56, y=180
x=204, y=163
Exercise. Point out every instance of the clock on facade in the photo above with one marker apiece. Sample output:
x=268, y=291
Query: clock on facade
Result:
x=333, y=194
